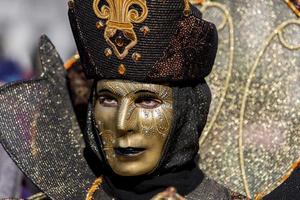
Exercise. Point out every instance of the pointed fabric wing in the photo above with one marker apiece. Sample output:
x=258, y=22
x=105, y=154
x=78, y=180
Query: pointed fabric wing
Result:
x=39, y=130
x=254, y=142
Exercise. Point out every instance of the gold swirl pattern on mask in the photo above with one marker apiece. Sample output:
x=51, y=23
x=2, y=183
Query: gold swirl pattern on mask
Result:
x=155, y=121
x=120, y=17
x=162, y=122
x=252, y=136
x=108, y=141
x=151, y=121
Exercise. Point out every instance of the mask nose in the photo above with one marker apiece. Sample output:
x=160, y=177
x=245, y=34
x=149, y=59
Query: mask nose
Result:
x=124, y=122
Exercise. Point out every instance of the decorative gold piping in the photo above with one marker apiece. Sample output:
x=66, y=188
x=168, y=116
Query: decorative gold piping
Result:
x=187, y=8
x=120, y=17
x=95, y=186
x=38, y=196
x=227, y=18
x=277, y=31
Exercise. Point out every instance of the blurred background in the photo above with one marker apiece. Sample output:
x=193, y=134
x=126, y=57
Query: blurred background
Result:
x=22, y=22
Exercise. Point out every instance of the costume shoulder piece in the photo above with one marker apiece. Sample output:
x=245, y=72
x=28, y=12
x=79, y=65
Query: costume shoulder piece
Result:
x=39, y=130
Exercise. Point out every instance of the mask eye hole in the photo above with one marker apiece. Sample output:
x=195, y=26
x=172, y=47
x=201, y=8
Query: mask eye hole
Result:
x=107, y=100
x=148, y=101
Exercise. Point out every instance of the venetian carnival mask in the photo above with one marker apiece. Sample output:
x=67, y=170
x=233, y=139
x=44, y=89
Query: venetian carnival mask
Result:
x=134, y=121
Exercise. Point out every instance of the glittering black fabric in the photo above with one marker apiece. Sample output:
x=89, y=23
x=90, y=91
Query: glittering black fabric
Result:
x=206, y=190
x=38, y=129
x=185, y=180
x=177, y=48
x=191, y=108
x=190, y=54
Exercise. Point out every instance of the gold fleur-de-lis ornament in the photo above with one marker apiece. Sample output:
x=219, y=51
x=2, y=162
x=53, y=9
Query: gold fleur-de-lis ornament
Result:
x=120, y=16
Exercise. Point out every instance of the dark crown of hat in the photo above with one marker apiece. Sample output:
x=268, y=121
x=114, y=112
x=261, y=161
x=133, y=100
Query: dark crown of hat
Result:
x=146, y=41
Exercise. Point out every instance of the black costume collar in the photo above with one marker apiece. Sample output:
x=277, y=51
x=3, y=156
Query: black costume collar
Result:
x=184, y=180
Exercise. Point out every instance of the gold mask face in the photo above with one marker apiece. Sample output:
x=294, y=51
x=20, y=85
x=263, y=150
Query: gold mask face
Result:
x=135, y=120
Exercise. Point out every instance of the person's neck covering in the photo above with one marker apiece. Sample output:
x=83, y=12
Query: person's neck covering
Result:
x=185, y=180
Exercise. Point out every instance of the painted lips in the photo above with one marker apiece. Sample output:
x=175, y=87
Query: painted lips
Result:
x=129, y=151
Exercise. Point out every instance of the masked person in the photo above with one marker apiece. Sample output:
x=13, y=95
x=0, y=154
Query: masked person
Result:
x=148, y=106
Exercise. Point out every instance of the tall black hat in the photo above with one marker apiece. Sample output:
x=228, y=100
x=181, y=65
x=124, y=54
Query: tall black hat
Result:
x=146, y=41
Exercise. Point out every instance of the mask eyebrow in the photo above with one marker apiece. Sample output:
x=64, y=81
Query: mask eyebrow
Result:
x=123, y=89
x=105, y=90
x=145, y=91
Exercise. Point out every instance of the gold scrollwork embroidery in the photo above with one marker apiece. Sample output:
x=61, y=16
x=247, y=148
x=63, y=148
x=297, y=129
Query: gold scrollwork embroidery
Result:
x=120, y=17
x=227, y=19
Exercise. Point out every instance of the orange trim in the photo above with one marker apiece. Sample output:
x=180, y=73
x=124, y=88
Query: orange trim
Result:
x=197, y=2
x=95, y=186
x=293, y=7
x=294, y=166
x=69, y=63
